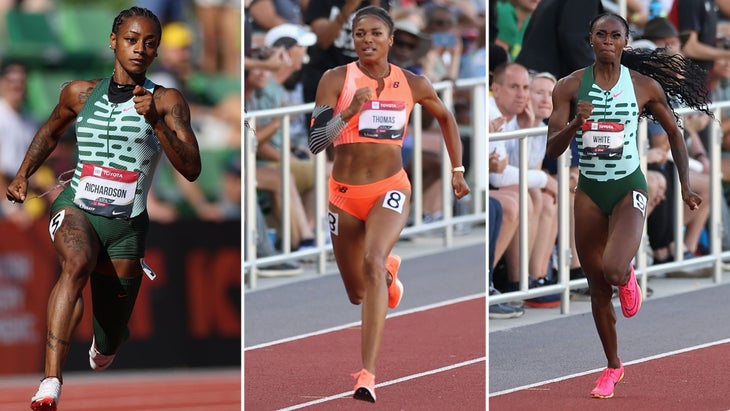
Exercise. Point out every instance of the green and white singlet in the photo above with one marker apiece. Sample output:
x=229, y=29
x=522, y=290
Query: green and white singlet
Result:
x=617, y=105
x=607, y=144
x=118, y=153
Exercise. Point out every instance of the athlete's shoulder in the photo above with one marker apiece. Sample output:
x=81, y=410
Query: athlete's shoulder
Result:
x=79, y=86
x=76, y=92
x=571, y=81
x=334, y=77
x=336, y=71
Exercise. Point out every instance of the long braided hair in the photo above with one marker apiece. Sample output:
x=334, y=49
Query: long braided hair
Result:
x=681, y=79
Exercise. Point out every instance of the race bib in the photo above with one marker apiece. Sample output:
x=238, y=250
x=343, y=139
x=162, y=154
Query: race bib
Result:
x=106, y=191
x=603, y=139
x=383, y=119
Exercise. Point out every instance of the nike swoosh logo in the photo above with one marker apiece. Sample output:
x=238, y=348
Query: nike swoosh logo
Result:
x=618, y=94
x=117, y=213
x=120, y=85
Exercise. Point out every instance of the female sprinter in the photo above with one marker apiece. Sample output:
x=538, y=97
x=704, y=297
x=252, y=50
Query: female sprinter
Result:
x=607, y=100
x=362, y=108
x=99, y=222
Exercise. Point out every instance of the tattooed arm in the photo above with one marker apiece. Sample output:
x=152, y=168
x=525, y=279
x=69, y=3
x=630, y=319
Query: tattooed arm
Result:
x=72, y=99
x=169, y=115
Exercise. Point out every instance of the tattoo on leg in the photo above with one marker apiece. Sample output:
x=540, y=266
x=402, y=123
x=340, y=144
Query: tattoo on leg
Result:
x=53, y=341
x=73, y=235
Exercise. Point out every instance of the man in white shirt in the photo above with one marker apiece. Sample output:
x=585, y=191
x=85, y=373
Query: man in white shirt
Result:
x=17, y=130
x=510, y=106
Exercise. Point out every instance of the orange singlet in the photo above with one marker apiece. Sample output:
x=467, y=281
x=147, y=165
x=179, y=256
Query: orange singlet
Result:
x=383, y=120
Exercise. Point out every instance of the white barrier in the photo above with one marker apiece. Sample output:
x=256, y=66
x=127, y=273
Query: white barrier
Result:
x=563, y=286
x=477, y=177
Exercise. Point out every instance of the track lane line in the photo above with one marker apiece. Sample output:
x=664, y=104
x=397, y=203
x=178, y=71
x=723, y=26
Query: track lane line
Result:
x=387, y=383
x=357, y=323
x=637, y=361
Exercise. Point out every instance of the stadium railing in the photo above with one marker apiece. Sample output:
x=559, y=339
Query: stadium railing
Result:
x=475, y=213
x=714, y=259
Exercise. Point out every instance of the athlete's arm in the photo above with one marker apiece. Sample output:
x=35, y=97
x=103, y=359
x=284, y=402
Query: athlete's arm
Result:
x=425, y=95
x=326, y=124
x=71, y=100
x=561, y=128
x=169, y=115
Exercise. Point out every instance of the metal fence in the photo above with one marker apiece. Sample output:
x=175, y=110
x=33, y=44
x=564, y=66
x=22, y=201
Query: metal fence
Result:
x=477, y=177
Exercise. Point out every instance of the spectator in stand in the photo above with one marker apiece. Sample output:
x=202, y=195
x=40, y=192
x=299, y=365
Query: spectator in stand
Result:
x=18, y=130
x=174, y=70
x=511, y=102
x=219, y=25
x=512, y=19
x=275, y=60
x=555, y=38
x=268, y=14
x=18, y=127
x=284, y=89
x=503, y=223
x=660, y=222
x=410, y=45
x=661, y=33
x=443, y=60
x=698, y=20
x=265, y=247
x=269, y=178
x=166, y=10
x=720, y=91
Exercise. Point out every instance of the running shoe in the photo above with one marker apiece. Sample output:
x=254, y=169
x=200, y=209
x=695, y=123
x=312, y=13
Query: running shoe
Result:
x=365, y=386
x=46, y=399
x=97, y=360
x=546, y=301
x=395, y=289
x=607, y=381
x=630, y=296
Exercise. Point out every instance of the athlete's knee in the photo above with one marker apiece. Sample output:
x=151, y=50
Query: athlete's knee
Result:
x=374, y=267
x=615, y=273
x=355, y=297
x=76, y=268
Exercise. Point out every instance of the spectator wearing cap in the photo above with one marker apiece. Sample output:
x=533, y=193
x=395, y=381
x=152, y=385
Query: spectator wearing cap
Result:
x=442, y=62
x=662, y=33
x=174, y=69
x=410, y=45
x=284, y=88
x=175, y=65
x=285, y=82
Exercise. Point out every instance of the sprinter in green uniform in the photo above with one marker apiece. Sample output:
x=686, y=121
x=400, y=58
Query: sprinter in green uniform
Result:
x=99, y=222
x=601, y=106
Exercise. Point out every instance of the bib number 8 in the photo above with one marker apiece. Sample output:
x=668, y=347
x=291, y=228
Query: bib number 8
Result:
x=394, y=200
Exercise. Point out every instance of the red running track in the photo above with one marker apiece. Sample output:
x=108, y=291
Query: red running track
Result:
x=430, y=359
x=681, y=381
x=189, y=390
